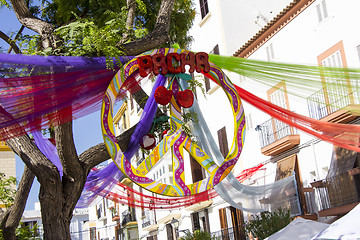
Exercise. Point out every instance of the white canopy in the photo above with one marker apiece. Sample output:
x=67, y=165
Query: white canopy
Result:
x=345, y=228
x=299, y=229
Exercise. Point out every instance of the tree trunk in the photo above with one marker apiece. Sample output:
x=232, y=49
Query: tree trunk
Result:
x=56, y=221
x=58, y=197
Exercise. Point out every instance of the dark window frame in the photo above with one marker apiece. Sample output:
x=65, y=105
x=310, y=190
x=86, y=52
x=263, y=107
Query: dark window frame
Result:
x=204, y=8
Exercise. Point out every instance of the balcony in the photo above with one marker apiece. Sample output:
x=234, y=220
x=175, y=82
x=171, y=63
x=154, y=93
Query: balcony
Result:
x=233, y=233
x=128, y=217
x=276, y=137
x=4, y=147
x=337, y=195
x=336, y=103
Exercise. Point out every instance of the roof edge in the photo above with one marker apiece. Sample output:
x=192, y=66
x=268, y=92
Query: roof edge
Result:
x=273, y=27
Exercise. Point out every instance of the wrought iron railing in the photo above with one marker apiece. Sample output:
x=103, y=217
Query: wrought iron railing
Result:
x=336, y=191
x=338, y=97
x=273, y=130
x=128, y=217
x=233, y=233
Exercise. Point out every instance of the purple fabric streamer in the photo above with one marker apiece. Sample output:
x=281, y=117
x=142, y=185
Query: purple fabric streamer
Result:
x=49, y=150
x=35, y=64
x=58, y=88
x=101, y=181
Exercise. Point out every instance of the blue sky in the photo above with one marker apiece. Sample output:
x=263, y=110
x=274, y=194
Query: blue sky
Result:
x=87, y=131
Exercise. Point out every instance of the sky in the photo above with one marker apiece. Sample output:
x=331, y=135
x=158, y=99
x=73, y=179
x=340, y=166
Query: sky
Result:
x=87, y=130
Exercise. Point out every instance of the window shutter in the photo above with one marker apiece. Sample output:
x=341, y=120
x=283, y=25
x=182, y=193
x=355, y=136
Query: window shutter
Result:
x=195, y=221
x=223, y=144
x=216, y=50
x=131, y=103
x=169, y=231
x=196, y=170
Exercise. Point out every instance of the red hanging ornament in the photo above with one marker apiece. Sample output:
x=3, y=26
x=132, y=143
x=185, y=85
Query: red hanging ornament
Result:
x=148, y=142
x=162, y=95
x=185, y=98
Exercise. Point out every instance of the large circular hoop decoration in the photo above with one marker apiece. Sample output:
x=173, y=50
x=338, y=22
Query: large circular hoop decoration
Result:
x=175, y=140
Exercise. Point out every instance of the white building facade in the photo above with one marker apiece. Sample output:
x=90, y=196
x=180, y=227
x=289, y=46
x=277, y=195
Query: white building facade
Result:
x=301, y=32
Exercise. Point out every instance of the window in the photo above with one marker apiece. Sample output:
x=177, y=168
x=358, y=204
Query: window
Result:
x=249, y=124
x=169, y=231
x=100, y=210
x=204, y=9
x=131, y=102
x=223, y=144
x=321, y=10
x=324, y=170
x=278, y=96
x=208, y=83
x=196, y=170
x=313, y=176
x=335, y=88
x=93, y=233
x=138, y=108
x=270, y=52
x=200, y=220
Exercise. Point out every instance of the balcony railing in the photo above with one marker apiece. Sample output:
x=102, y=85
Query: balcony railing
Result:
x=233, y=233
x=273, y=130
x=310, y=201
x=327, y=101
x=128, y=217
x=337, y=191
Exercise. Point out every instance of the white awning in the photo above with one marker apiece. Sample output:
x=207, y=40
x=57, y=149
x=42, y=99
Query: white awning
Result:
x=169, y=217
x=198, y=206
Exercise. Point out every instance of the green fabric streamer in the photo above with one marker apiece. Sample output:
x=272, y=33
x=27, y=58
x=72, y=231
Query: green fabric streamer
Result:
x=305, y=81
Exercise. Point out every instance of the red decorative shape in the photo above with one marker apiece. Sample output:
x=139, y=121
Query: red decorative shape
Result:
x=164, y=132
x=169, y=60
x=148, y=142
x=145, y=65
x=202, y=62
x=187, y=59
x=162, y=95
x=185, y=98
x=159, y=62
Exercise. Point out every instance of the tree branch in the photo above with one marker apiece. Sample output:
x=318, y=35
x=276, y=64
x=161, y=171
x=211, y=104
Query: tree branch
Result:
x=158, y=36
x=16, y=210
x=44, y=29
x=67, y=151
x=33, y=158
x=8, y=40
x=16, y=37
x=98, y=154
x=131, y=5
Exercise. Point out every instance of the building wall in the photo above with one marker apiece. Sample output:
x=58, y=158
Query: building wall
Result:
x=301, y=42
x=230, y=24
x=7, y=163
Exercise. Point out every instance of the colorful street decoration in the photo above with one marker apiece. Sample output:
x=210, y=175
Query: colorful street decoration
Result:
x=158, y=62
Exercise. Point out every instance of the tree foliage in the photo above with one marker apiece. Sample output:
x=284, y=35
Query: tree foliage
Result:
x=268, y=223
x=7, y=190
x=93, y=28
x=198, y=235
x=24, y=233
